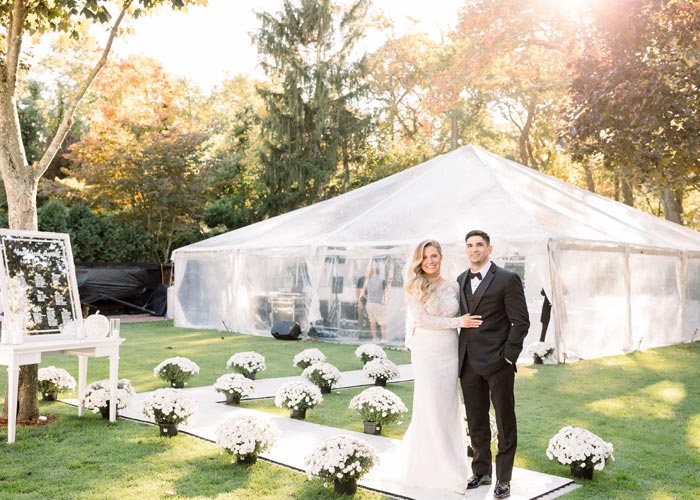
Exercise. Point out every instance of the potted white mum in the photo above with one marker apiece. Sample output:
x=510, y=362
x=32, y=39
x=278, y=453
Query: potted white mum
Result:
x=539, y=351
x=234, y=386
x=308, y=357
x=377, y=406
x=177, y=371
x=53, y=380
x=298, y=396
x=97, y=396
x=323, y=375
x=245, y=437
x=247, y=363
x=581, y=450
x=169, y=408
x=368, y=352
x=381, y=370
x=342, y=459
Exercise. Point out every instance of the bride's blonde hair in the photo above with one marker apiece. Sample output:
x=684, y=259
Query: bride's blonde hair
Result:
x=417, y=283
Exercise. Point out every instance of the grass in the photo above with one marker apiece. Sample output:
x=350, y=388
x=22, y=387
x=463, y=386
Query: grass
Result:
x=645, y=403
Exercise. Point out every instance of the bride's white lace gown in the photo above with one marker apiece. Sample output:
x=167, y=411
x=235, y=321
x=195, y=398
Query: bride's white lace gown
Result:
x=433, y=452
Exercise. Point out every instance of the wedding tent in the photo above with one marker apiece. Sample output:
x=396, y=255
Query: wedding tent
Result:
x=619, y=279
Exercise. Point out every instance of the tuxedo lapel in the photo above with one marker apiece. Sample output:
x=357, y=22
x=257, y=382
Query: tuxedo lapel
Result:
x=463, y=287
x=483, y=286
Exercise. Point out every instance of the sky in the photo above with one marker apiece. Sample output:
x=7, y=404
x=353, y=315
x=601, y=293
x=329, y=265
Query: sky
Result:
x=208, y=43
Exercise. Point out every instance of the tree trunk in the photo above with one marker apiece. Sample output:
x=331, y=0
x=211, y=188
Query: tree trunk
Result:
x=454, y=134
x=626, y=190
x=590, y=181
x=672, y=201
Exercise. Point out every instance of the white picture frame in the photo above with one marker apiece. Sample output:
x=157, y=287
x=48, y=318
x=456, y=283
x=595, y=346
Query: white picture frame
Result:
x=40, y=266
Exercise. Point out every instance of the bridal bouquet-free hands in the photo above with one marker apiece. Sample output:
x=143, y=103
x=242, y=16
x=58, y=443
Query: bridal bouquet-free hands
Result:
x=247, y=363
x=378, y=405
x=368, y=352
x=579, y=447
x=308, y=357
x=169, y=406
x=341, y=458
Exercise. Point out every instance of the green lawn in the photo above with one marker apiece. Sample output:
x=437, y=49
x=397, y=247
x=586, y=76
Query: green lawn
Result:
x=646, y=404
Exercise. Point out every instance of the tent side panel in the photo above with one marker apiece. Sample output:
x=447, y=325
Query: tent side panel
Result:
x=692, y=299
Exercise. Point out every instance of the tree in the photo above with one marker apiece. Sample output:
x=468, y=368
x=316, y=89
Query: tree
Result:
x=636, y=96
x=142, y=156
x=19, y=19
x=312, y=123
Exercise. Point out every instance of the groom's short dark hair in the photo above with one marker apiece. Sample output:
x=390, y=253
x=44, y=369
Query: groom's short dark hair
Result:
x=478, y=232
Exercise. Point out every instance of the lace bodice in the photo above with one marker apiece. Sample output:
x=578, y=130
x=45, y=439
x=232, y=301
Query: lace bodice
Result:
x=440, y=310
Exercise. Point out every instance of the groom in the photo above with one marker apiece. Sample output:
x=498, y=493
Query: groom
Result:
x=487, y=357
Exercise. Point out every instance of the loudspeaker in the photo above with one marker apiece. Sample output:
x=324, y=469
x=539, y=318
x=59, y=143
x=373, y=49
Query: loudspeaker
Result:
x=286, y=330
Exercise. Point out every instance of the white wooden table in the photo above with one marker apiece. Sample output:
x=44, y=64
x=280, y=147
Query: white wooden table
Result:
x=29, y=353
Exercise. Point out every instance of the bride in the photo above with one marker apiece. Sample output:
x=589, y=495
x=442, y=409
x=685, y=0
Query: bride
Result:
x=433, y=452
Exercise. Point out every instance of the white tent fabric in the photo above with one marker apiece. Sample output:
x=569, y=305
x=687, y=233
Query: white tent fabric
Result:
x=619, y=279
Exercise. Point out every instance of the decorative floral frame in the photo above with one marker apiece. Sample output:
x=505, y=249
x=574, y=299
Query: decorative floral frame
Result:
x=43, y=263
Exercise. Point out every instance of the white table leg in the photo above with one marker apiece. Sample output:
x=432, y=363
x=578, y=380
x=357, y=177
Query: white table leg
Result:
x=12, y=388
x=113, y=379
x=82, y=382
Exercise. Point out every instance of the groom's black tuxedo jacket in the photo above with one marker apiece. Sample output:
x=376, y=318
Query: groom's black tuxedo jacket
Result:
x=500, y=301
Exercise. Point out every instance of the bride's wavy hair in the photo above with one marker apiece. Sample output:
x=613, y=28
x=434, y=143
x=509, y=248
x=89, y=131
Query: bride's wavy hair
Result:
x=417, y=283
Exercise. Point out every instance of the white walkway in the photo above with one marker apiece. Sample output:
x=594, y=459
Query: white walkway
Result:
x=298, y=438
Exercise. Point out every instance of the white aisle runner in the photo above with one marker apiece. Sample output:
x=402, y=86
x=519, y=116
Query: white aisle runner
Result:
x=298, y=439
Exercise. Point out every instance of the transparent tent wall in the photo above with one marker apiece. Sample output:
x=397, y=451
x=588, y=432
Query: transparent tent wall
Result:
x=321, y=288
x=692, y=298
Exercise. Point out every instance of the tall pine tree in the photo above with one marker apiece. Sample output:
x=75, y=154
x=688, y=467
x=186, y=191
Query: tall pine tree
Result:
x=312, y=124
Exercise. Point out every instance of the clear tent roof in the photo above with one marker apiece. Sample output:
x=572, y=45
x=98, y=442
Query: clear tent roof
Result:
x=466, y=188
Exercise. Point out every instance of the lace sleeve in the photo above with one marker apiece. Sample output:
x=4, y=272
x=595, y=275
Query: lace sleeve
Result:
x=425, y=319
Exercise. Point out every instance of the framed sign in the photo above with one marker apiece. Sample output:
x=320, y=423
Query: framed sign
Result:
x=38, y=284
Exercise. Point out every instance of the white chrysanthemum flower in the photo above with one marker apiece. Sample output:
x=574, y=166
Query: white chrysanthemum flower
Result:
x=177, y=369
x=298, y=395
x=368, y=352
x=169, y=406
x=574, y=445
x=539, y=349
x=97, y=395
x=381, y=368
x=234, y=383
x=322, y=374
x=378, y=405
x=52, y=379
x=341, y=457
x=246, y=436
x=308, y=357
x=247, y=363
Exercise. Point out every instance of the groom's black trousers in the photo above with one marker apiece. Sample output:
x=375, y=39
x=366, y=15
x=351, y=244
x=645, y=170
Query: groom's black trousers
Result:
x=476, y=389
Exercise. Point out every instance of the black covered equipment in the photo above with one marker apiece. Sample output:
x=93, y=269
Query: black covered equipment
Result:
x=286, y=330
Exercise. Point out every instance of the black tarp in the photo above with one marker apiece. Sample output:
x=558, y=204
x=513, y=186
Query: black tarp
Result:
x=119, y=290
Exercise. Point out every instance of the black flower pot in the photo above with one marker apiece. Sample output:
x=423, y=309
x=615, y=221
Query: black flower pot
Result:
x=298, y=414
x=177, y=384
x=325, y=389
x=49, y=396
x=233, y=399
x=247, y=460
x=168, y=430
x=582, y=472
x=381, y=382
x=347, y=487
x=373, y=428
x=537, y=359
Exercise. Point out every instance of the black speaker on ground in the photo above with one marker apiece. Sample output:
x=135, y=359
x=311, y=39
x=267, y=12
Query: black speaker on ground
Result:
x=286, y=330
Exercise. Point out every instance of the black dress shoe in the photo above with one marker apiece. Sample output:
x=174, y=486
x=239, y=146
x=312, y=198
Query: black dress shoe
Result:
x=477, y=480
x=502, y=490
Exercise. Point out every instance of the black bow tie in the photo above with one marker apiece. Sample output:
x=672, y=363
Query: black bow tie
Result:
x=471, y=275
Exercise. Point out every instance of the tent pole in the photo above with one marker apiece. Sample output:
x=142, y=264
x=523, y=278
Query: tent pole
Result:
x=557, y=303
